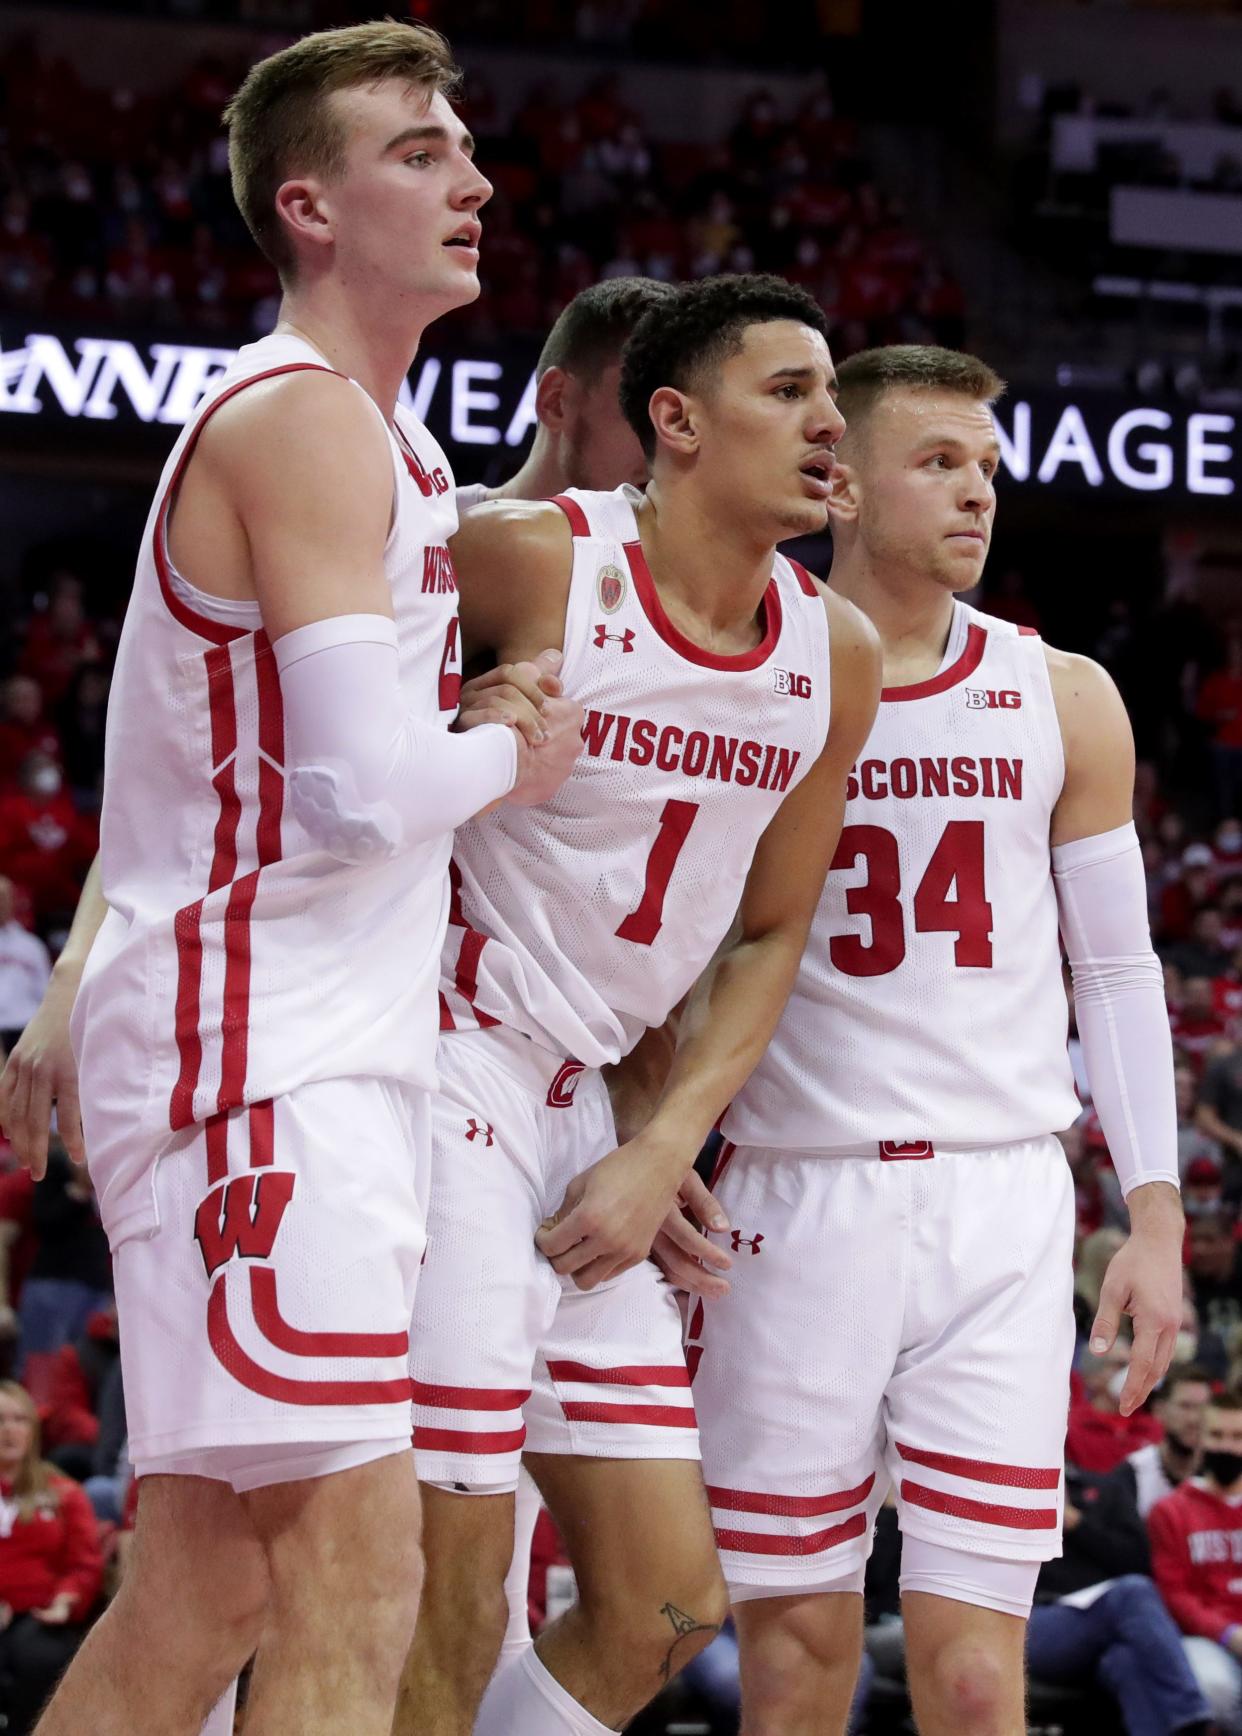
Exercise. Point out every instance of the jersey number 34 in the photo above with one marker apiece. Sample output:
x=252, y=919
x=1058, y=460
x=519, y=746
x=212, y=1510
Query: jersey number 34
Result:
x=956, y=867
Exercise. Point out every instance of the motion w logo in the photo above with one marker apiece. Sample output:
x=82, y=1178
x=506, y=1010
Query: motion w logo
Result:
x=243, y=1217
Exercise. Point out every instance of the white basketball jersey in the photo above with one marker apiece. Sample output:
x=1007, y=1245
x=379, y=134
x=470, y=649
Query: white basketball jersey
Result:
x=238, y=960
x=584, y=921
x=929, y=1003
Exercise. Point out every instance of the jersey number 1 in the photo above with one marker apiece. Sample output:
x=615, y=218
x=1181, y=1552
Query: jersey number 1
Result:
x=643, y=924
x=957, y=863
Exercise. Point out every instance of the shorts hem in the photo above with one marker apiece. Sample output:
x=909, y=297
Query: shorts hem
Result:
x=303, y=1431
x=684, y=1447
x=499, y=1475
x=981, y=1542
x=742, y=1574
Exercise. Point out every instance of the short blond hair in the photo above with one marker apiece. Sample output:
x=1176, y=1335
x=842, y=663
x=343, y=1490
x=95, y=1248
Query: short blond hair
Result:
x=280, y=122
x=868, y=377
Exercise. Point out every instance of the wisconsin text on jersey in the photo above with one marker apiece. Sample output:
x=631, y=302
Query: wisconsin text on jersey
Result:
x=643, y=742
x=875, y=779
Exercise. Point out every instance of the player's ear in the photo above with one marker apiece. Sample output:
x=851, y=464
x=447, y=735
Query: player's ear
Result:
x=673, y=418
x=552, y=399
x=301, y=208
x=844, y=496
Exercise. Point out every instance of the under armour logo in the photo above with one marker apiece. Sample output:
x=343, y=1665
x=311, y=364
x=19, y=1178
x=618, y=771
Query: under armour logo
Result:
x=754, y=1243
x=479, y=1130
x=602, y=635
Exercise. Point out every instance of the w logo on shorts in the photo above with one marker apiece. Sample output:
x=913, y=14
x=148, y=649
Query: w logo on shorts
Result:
x=243, y=1217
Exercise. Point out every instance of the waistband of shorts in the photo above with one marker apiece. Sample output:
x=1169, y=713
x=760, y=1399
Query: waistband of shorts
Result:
x=897, y=1150
x=541, y=1070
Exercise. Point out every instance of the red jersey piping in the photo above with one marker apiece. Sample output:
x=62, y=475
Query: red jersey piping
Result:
x=649, y=597
x=966, y=664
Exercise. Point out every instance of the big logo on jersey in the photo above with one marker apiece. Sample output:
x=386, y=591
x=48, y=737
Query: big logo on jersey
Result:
x=243, y=1217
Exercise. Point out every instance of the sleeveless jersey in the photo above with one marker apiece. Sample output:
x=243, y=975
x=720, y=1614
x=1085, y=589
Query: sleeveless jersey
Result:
x=929, y=1003
x=237, y=959
x=583, y=921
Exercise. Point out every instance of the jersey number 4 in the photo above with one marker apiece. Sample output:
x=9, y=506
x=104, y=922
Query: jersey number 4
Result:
x=956, y=866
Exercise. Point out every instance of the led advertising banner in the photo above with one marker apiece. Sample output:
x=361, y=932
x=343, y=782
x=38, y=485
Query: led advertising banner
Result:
x=1068, y=440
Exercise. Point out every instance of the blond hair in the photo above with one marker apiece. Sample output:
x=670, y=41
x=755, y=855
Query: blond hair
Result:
x=280, y=122
x=864, y=379
x=32, y=1486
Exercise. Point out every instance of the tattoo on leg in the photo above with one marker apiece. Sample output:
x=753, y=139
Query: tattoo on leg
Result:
x=683, y=1626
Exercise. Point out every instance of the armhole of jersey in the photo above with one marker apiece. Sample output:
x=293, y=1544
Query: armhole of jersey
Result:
x=573, y=670
x=1031, y=646
x=578, y=524
x=806, y=582
x=822, y=692
x=204, y=626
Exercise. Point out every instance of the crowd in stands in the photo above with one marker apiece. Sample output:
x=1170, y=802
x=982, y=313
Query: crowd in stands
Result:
x=117, y=208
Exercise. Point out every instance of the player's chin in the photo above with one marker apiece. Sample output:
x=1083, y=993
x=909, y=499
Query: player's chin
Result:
x=805, y=517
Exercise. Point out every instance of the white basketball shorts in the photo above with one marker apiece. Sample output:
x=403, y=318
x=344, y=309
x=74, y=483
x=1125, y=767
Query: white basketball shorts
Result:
x=889, y=1322
x=505, y=1354
x=267, y=1303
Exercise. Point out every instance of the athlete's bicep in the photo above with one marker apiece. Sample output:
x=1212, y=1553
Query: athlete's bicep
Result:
x=305, y=465
x=1098, y=792
x=513, y=560
x=796, y=849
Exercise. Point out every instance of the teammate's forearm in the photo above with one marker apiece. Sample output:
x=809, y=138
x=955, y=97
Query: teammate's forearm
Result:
x=87, y=921
x=727, y=1026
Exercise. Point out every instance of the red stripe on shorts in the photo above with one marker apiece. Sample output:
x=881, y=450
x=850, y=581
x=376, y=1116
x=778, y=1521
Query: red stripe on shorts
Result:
x=479, y=1398
x=292, y=1339
x=633, y=1375
x=959, y=1507
x=262, y=1134
x=235, y=1361
x=217, y=1129
x=769, y=1543
x=187, y=931
x=981, y=1471
x=789, y=1506
x=660, y=1416
x=462, y=1441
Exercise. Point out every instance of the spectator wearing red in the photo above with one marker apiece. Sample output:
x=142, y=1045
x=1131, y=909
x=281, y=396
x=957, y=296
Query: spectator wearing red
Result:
x=46, y=846
x=1220, y=707
x=1197, y=1027
x=25, y=969
x=1099, y=1437
x=51, y=1565
x=1186, y=891
x=60, y=640
x=23, y=728
x=1196, y=1545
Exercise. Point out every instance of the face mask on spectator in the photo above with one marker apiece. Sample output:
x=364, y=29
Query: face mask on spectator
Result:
x=1226, y=1468
x=1184, y=1351
x=46, y=781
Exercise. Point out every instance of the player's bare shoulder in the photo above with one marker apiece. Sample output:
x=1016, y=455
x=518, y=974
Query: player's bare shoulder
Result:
x=311, y=422
x=857, y=659
x=1085, y=696
x=513, y=560
x=1098, y=744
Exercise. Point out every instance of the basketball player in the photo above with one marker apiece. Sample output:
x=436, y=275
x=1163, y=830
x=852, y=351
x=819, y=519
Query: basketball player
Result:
x=255, y=1027
x=713, y=673
x=899, y=1306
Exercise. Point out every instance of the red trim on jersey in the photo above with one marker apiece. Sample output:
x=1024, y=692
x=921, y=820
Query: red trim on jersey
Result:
x=187, y=930
x=573, y=512
x=1029, y=632
x=236, y=1362
x=982, y=1471
x=633, y=1375
x=984, y=1512
x=966, y=664
x=235, y=1014
x=809, y=587
x=479, y=1398
x=789, y=1506
x=660, y=1416
x=262, y=1119
x=447, y=1021
x=724, y=1157
x=279, y=1332
x=218, y=632
x=271, y=752
x=466, y=976
x=217, y=1138
x=463, y=1441
x=767, y=1543
x=222, y=707
x=649, y=597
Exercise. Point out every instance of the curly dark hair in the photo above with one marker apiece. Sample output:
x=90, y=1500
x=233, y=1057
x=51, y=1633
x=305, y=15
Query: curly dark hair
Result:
x=591, y=331
x=697, y=328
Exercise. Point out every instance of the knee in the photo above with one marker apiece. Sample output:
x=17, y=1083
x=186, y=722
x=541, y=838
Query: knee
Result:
x=970, y=1685
x=662, y=1636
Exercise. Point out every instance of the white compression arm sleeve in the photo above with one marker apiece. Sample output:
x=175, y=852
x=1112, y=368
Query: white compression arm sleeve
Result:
x=1119, y=1000
x=366, y=779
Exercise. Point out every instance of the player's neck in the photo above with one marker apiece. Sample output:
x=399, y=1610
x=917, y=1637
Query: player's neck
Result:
x=539, y=478
x=356, y=341
x=912, y=614
x=711, y=574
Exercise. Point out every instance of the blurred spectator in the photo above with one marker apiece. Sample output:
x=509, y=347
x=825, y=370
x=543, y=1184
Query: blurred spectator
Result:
x=51, y=1568
x=1196, y=1025
x=17, y=1252
x=46, y=846
x=1099, y=1619
x=1202, y=1186
x=1193, y=1144
x=71, y=1274
x=1155, y=1470
x=23, y=728
x=1219, y=1114
x=1093, y=1258
x=1215, y=1267
x=1099, y=1437
x=1196, y=1544
x=25, y=967
x=72, y=1389
x=83, y=717
x=60, y=640
x=1227, y=847
x=1220, y=707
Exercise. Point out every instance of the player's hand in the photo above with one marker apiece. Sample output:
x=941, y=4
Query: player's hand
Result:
x=543, y=769
x=513, y=693
x=42, y=1071
x=610, y=1214
x=681, y=1250
x=1144, y=1280
x=57, y=1612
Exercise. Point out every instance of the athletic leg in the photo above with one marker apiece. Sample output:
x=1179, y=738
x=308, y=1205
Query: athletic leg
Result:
x=800, y=1658
x=196, y=1591
x=965, y=1667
